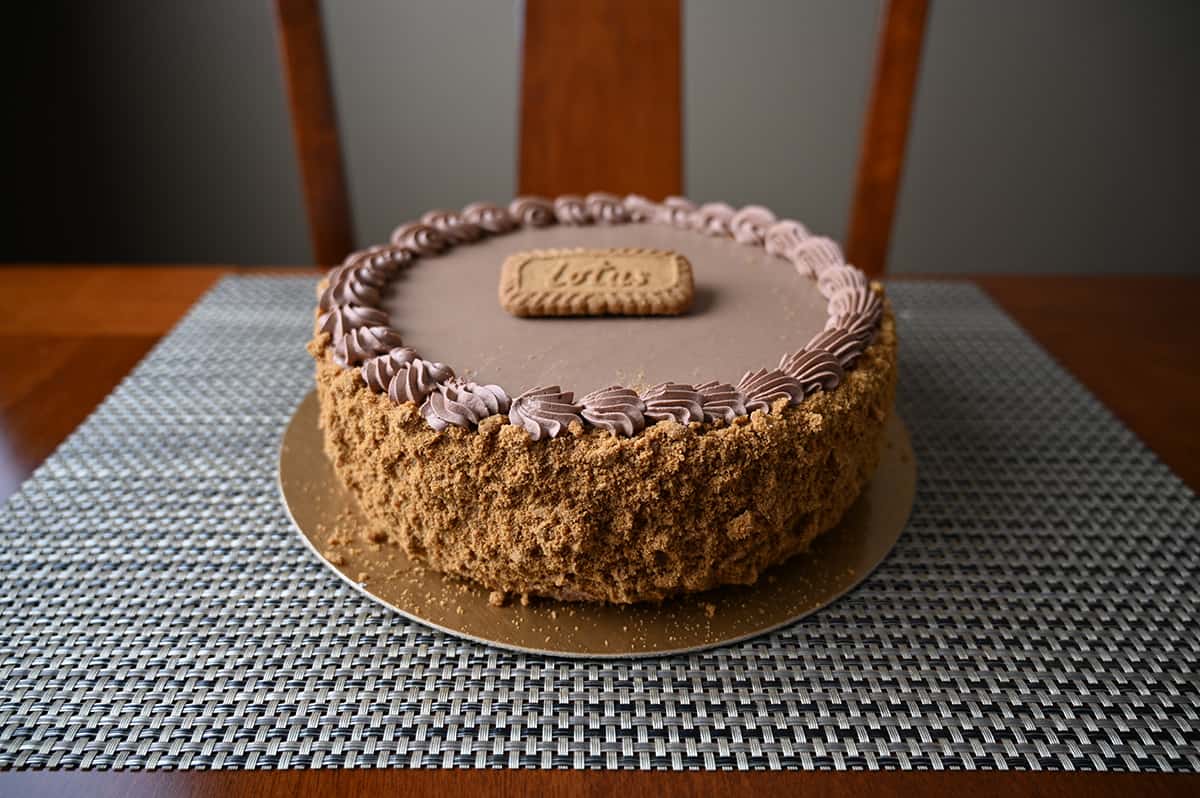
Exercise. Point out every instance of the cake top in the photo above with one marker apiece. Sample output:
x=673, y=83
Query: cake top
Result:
x=763, y=288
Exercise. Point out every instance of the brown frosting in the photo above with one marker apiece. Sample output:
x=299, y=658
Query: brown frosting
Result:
x=572, y=210
x=750, y=224
x=784, y=238
x=748, y=306
x=640, y=209
x=422, y=239
x=721, y=401
x=856, y=302
x=463, y=404
x=841, y=278
x=814, y=255
x=415, y=380
x=764, y=388
x=815, y=370
x=672, y=401
x=341, y=290
x=616, y=409
x=713, y=218
x=359, y=344
x=453, y=226
x=844, y=345
x=533, y=211
x=492, y=218
x=606, y=208
x=544, y=412
x=853, y=324
x=377, y=372
x=676, y=211
x=342, y=319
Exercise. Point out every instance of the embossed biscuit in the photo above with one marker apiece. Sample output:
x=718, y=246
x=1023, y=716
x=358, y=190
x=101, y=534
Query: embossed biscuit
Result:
x=596, y=282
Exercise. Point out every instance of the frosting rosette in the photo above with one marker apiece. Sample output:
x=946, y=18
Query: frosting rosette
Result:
x=384, y=259
x=452, y=225
x=750, y=224
x=616, y=409
x=415, y=380
x=377, y=372
x=359, y=270
x=342, y=290
x=764, y=388
x=342, y=319
x=490, y=217
x=360, y=336
x=572, y=210
x=713, y=218
x=816, y=255
x=463, y=404
x=676, y=211
x=837, y=279
x=814, y=369
x=844, y=345
x=785, y=237
x=606, y=208
x=363, y=342
x=640, y=209
x=673, y=401
x=721, y=401
x=422, y=239
x=544, y=412
x=533, y=211
x=855, y=302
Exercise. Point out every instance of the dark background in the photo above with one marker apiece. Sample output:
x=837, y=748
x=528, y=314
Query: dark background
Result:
x=1047, y=137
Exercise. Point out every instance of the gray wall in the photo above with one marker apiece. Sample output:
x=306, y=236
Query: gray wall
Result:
x=774, y=95
x=427, y=100
x=1048, y=136
x=1055, y=137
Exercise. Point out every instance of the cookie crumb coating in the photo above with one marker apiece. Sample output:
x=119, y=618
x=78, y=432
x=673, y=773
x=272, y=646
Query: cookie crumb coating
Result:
x=590, y=516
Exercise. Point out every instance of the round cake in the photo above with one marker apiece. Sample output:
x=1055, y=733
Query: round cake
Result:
x=601, y=398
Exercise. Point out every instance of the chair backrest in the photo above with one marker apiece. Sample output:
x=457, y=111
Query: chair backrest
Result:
x=885, y=133
x=314, y=128
x=601, y=98
x=601, y=108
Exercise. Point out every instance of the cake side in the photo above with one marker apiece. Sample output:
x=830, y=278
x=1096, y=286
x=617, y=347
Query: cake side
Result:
x=592, y=516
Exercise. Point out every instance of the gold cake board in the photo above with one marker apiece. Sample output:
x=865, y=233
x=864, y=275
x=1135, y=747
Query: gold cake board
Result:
x=330, y=522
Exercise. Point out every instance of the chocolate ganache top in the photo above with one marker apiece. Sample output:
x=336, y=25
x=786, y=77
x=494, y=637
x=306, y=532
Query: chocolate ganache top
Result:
x=749, y=308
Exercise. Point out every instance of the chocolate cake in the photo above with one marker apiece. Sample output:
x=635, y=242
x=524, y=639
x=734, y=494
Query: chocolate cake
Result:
x=601, y=398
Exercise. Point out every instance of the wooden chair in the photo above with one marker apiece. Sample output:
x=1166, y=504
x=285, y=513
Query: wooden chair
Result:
x=625, y=112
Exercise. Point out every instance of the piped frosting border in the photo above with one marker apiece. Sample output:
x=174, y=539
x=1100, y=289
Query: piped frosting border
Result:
x=361, y=335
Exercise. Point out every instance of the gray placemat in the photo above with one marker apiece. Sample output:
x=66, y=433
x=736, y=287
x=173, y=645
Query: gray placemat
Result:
x=157, y=609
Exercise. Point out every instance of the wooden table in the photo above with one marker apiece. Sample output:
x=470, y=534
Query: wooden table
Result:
x=69, y=334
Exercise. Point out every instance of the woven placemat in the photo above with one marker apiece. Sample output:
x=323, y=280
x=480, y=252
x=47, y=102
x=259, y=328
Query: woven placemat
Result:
x=158, y=610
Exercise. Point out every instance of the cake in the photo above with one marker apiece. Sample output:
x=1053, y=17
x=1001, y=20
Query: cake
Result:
x=601, y=398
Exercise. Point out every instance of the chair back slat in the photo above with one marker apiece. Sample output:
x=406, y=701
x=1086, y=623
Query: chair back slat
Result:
x=885, y=134
x=314, y=129
x=601, y=98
